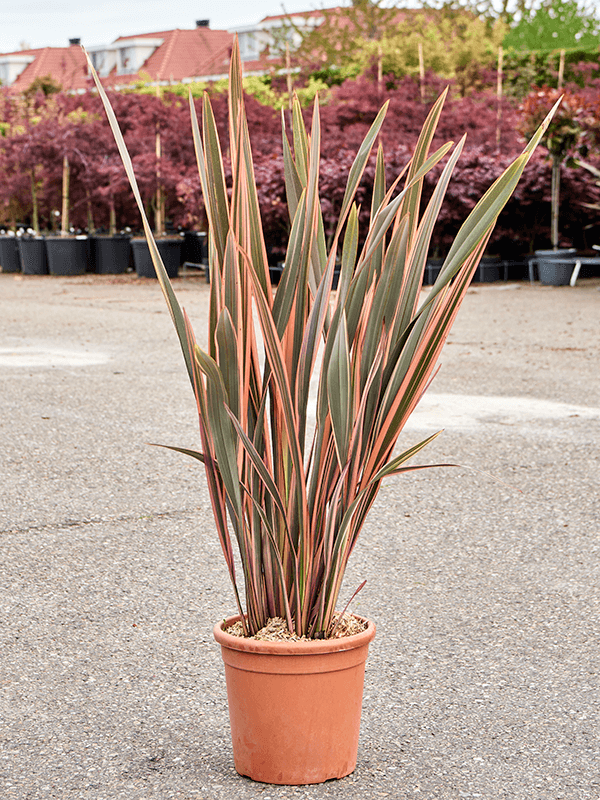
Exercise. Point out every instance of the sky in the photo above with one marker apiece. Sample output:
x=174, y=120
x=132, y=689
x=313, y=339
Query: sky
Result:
x=51, y=23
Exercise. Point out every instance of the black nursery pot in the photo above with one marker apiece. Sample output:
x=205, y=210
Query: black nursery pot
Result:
x=432, y=270
x=9, y=254
x=275, y=273
x=170, y=252
x=67, y=255
x=488, y=270
x=555, y=267
x=34, y=258
x=195, y=247
x=110, y=254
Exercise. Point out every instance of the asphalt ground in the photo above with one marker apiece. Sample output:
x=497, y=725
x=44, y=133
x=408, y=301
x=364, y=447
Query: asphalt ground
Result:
x=482, y=681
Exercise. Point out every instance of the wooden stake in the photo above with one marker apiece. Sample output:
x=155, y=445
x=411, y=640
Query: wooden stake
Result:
x=422, y=71
x=34, y=203
x=158, y=208
x=64, y=220
x=499, y=95
x=561, y=69
x=158, y=221
x=288, y=70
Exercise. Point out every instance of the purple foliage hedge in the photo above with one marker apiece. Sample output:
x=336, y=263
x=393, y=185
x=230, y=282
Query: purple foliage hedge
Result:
x=37, y=134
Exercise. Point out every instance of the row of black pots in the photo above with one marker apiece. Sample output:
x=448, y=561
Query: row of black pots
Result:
x=116, y=254
x=551, y=267
x=24, y=254
x=490, y=270
x=38, y=255
x=108, y=255
x=276, y=272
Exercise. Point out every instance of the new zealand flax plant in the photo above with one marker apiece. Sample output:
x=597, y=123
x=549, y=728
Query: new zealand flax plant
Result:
x=294, y=493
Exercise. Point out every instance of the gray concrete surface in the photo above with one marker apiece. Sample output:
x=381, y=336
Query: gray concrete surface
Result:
x=482, y=681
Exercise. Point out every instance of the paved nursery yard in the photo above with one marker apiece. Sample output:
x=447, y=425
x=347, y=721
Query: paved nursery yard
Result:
x=482, y=681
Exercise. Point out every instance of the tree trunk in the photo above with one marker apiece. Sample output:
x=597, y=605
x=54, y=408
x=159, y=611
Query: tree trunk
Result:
x=112, y=224
x=555, y=195
x=34, y=203
x=90, y=214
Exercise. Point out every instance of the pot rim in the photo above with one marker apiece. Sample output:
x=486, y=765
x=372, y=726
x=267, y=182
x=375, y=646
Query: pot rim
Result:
x=560, y=251
x=292, y=648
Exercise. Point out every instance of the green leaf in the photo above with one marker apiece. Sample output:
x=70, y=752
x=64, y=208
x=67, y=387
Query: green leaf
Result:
x=192, y=453
x=393, y=466
x=228, y=360
x=161, y=273
x=212, y=177
x=338, y=391
x=221, y=429
x=413, y=198
x=358, y=166
x=293, y=183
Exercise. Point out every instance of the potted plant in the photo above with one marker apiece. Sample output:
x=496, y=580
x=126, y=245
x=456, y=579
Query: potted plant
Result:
x=34, y=258
x=9, y=253
x=292, y=493
x=106, y=181
x=555, y=266
x=68, y=254
x=170, y=249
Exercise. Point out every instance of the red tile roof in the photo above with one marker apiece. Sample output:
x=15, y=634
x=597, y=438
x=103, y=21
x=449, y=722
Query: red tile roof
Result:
x=66, y=65
x=183, y=54
x=319, y=12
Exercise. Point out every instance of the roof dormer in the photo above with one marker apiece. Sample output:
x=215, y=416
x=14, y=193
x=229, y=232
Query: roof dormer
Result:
x=12, y=65
x=127, y=56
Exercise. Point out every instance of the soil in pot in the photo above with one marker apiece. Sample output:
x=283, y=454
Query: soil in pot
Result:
x=170, y=251
x=294, y=706
x=9, y=254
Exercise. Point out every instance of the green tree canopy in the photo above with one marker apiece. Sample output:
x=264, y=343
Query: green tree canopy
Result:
x=558, y=24
x=350, y=40
x=453, y=42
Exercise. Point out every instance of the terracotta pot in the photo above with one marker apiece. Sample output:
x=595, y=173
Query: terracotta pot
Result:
x=294, y=707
